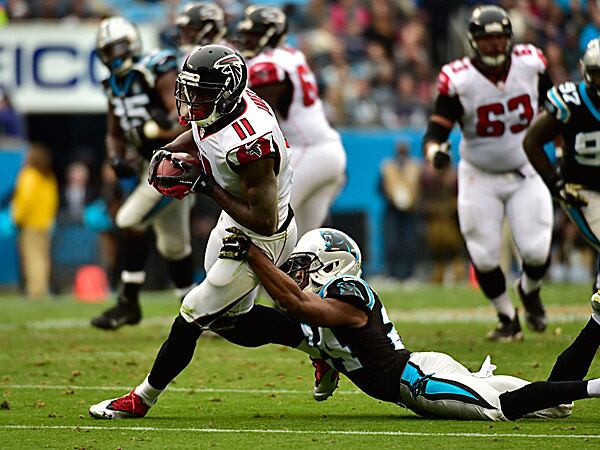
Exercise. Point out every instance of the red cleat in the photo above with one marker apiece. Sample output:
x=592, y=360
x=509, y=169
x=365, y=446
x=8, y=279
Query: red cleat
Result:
x=129, y=406
x=326, y=379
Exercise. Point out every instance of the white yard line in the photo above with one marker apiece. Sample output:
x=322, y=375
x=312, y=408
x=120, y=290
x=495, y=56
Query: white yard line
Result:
x=557, y=315
x=169, y=389
x=309, y=432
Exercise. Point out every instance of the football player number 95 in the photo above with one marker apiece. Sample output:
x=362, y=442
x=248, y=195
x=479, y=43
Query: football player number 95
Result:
x=488, y=125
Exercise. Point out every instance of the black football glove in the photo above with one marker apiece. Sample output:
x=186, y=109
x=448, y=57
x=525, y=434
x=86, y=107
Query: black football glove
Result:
x=235, y=245
x=567, y=194
x=196, y=180
x=123, y=168
x=157, y=156
x=439, y=155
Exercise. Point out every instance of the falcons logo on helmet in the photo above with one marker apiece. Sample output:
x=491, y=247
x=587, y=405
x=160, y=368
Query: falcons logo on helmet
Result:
x=231, y=65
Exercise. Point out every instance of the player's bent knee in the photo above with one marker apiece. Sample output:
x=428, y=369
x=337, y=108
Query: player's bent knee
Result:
x=173, y=250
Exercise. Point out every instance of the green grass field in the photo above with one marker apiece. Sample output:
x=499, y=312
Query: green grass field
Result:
x=53, y=365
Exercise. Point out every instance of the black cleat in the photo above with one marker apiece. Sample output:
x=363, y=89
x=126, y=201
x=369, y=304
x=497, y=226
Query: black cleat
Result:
x=535, y=314
x=507, y=330
x=117, y=316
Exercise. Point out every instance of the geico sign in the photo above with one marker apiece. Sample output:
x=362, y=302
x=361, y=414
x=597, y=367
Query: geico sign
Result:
x=51, y=68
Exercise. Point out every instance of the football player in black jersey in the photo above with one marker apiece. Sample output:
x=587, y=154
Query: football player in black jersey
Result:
x=141, y=118
x=572, y=110
x=335, y=315
x=345, y=323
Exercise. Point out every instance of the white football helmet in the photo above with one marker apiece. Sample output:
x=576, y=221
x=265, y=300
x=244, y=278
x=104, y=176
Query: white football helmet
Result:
x=321, y=255
x=118, y=43
x=590, y=66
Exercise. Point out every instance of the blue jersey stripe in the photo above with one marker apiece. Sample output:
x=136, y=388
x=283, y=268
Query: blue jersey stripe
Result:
x=563, y=111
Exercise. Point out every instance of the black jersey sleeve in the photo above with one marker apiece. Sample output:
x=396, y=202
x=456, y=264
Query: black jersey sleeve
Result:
x=352, y=290
x=448, y=106
x=544, y=85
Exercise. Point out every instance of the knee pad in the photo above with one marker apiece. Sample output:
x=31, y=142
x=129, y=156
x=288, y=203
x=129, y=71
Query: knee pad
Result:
x=492, y=283
x=536, y=272
x=173, y=249
x=124, y=221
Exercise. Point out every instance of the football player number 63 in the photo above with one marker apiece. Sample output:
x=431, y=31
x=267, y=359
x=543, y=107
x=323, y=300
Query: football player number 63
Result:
x=488, y=124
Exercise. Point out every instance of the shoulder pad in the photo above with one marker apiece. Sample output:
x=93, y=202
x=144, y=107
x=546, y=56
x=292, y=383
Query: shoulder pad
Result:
x=252, y=150
x=264, y=73
x=351, y=289
x=531, y=56
x=558, y=99
x=451, y=75
x=161, y=61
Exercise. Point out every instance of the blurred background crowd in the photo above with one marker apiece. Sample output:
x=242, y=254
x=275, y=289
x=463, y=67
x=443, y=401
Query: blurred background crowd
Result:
x=376, y=63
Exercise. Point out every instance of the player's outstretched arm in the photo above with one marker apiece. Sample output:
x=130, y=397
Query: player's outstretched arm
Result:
x=305, y=306
x=544, y=129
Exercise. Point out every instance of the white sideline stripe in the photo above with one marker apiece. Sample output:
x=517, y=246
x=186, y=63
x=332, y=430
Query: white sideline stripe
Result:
x=462, y=315
x=169, y=389
x=311, y=432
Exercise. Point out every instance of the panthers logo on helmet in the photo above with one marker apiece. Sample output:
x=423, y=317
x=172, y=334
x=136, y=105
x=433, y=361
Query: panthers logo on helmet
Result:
x=335, y=242
x=233, y=66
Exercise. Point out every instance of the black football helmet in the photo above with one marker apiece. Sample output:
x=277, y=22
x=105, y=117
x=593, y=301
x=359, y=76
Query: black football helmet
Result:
x=262, y=27
x=487, y=20
x=590, y=66
x=210, y=84
x=200, y=24
x=118, y=44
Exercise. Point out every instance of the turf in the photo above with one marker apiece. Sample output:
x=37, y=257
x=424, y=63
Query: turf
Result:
x=53, y=366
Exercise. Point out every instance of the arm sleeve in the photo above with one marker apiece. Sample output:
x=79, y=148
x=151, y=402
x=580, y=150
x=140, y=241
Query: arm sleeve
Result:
x=260, y=148
x=544, y=85
x=449, y=107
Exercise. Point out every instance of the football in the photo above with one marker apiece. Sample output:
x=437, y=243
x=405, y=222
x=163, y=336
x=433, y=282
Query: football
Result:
x=168, y=167
x=183, y=165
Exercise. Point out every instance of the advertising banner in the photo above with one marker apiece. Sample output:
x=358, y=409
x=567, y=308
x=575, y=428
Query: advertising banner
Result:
x=52, y=67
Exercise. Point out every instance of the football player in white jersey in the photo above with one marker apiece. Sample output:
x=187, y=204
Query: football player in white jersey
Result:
x=494, y=95
x=281, y=76
x=141, y=117
x=245, y=168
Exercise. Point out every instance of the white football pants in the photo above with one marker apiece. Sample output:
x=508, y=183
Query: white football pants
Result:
x=435, y=385
x=319, y=175
x=484, y=199
x=230, y=286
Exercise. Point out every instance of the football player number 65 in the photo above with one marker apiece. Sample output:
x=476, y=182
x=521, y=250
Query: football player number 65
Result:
x=310, y=92
x=488, y=125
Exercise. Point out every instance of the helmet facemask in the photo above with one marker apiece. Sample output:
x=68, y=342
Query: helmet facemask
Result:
x=493, y=61
x=320, y=256
x=117, y=56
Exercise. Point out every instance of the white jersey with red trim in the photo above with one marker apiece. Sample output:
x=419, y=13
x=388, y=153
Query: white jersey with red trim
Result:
x=306, y=123
x=254, y=135
x=496, y=116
